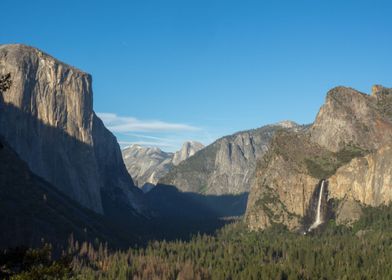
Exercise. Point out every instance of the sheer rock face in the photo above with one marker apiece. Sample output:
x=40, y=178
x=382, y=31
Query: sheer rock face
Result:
x=47, y=117
x=284, y=186
x=349, y=116
x=349, y=144
x=187, y=150
x=366, y=179
x=31, y=209
x=227, y=166
x=147, y=165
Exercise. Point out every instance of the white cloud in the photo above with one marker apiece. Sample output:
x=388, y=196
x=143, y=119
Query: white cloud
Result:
x=121, y=124
x=143, y=136
x=151, y=133
x=124, y=144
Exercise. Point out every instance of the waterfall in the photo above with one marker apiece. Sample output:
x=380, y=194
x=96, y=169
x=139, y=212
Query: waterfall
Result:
x=318, y=220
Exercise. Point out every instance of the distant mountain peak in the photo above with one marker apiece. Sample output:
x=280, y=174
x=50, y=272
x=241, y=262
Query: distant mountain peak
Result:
x=147, y=165
x=227, y=165
x=379, y=89
x=188, y=149
x=287, y=124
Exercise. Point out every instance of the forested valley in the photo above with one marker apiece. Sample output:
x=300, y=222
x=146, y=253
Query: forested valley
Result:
x=363, y=251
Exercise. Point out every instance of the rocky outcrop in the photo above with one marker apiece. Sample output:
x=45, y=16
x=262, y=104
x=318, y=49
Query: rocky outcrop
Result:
x=365, y=179
x=47, y=118
x=147, y=165
x=227, y=166
x=285, y=182
x=351, y=117
x=347, y=212
x=187, y=150
x=347, y=145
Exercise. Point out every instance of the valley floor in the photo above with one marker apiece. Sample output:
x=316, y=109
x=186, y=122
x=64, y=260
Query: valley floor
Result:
x=361, y=252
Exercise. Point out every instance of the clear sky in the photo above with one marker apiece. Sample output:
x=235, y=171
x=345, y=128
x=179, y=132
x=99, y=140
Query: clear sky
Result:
x=168, y=71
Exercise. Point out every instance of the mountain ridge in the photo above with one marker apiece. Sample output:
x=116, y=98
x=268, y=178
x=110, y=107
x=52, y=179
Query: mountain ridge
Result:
x=147, y=165
x=225, y=166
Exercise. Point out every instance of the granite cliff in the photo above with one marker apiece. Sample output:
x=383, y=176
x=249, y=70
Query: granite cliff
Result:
x=227, y=165
x=187, y=150
x=366, y=179
x=32, y=211
x=47, y=117
x=348, y=145
x=349, y=116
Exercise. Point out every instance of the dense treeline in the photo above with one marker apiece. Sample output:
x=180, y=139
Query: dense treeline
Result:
x=361, y=252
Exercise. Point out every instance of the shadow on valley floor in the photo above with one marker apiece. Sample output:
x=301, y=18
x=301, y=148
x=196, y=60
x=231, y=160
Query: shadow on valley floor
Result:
x=168, y=201
x=179, y=214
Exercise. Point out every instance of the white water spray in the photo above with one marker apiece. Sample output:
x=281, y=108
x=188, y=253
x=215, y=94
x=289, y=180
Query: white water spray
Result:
x=318, y=220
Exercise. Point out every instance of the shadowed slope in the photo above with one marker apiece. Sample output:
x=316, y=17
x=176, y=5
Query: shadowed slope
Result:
x=32, y=211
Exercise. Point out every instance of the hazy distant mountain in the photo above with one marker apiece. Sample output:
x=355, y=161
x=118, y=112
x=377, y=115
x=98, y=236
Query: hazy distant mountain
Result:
x=227, y=166
x=47, y=117
x=147, y=165
x=188, y=149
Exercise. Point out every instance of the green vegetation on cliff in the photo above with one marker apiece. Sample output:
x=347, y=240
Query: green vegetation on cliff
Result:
x=326, y=165
x=308, y=157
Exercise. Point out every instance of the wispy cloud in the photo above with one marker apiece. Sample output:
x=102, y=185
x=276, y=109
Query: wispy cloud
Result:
x=129, y=124
x=143, y=136
x=147, y=144
x=152, y=133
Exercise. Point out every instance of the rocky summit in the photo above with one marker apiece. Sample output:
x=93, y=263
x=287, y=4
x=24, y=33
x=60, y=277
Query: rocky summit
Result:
x=187, y=150
x=351, y=117
x=47, y=117
x=348, y=145
x=226, y=166
x=147, y=165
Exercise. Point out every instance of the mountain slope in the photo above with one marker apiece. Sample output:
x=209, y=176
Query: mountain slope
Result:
x=48, y=119
x=147, y=165
x=347, y=145
x=226, y=166
x=287, y=179
x=33, y=211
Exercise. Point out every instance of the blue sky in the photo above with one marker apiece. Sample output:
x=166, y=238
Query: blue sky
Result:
x=168, y=71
